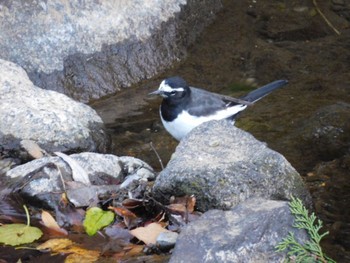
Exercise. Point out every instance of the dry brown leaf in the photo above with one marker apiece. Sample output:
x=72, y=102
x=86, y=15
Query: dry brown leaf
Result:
x=82, y=255
x=66, y=246
x=56, y=244
x=64, y=199
x=128, y=252
x=181, y=205
x=149, y=233
x=160, y=217
x=177, y=208
x=33, y=149
x=133, y=250
x=51, y=223
x=121, y=211
x=130, y=219
x=132, y=203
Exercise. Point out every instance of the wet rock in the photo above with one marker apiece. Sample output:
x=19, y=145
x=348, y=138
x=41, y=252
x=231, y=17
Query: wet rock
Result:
x=329, y=183
x=136, y=170
x=248, y=233
x=166, y=240
x=54, y=121
x=326, y=134
x=90, y=49
x=222, y=166
x=43, y=181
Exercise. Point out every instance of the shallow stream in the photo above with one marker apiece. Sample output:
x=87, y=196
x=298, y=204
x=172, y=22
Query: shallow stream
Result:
x=250, y=45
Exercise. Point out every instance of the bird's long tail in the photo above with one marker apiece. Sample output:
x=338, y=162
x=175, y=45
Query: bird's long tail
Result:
x=261, y=92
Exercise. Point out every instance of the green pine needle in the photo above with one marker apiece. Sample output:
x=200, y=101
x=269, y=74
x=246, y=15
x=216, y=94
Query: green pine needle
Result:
x=311, y=251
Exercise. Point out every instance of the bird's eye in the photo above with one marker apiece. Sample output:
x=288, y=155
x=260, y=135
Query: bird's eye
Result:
x=173, y=92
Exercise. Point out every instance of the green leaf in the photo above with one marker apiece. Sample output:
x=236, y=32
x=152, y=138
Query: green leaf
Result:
x=96, y=219
x=311, y=250
x=17, y=234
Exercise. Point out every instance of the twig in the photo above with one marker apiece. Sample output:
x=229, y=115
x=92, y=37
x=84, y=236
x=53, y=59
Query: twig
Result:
x=155, y=151
x=325, y=18
x=61, y=177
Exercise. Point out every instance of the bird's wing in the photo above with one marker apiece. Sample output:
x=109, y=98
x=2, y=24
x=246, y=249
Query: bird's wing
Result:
x=207, y=103
x=235, y=100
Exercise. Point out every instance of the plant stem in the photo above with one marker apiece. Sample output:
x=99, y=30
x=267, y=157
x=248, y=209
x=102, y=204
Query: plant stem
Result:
x=27, y=214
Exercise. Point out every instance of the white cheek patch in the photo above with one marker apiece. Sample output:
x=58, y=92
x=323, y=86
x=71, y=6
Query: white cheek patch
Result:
x=166, y=88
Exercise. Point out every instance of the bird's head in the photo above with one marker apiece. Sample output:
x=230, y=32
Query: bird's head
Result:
x=174, y=87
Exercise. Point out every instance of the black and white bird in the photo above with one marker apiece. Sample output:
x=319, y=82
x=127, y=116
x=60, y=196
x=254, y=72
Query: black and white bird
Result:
x=184, y=108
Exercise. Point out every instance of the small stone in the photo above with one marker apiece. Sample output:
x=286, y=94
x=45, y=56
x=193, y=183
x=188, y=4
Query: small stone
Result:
x=32, y=148
x=338, y=2
x=214, y=143
x=300, y=9
x=166, y=240
x=7, y=164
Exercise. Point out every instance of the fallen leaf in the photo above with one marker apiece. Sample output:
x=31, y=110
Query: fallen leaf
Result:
x=95, y=219
x=149, y=233
x=130, y=219
x=132, y=203
x=33, y=149
x=123, y=212
x=188, y=202
x=48, y=220
x=133, y=250
x=128, y=252
x=76, y=253
x=17, y=234
x=51, y=224
x=177, y=208
x=56, y=244
x=160, y=217
x=78, y=173
x=82, y=255
x=64, y=199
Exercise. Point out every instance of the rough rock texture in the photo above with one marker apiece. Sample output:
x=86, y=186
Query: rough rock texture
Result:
x=40, y=180
x=248, y=233
x=223, y=166
x=54, y=121
x=89, y=49
x=328, y=131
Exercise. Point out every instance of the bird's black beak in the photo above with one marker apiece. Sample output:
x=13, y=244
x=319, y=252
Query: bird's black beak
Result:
x=157, y=92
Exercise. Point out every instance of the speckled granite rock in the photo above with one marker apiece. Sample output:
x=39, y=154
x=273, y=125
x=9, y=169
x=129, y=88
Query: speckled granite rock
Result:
x=53, y=120
x=93, y=48
x=222, y=166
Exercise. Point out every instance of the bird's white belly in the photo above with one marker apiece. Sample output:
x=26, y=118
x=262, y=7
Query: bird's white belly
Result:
x=185, y=122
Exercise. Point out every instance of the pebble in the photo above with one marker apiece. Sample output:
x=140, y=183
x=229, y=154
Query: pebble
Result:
x=166, y=240
x=300, y=9
x=338, y=2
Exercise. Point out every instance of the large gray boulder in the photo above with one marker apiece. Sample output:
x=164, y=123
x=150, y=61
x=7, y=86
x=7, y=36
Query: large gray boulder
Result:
x=53, y=120
x=88, y=49
x=222, y=166
x=248, y=233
